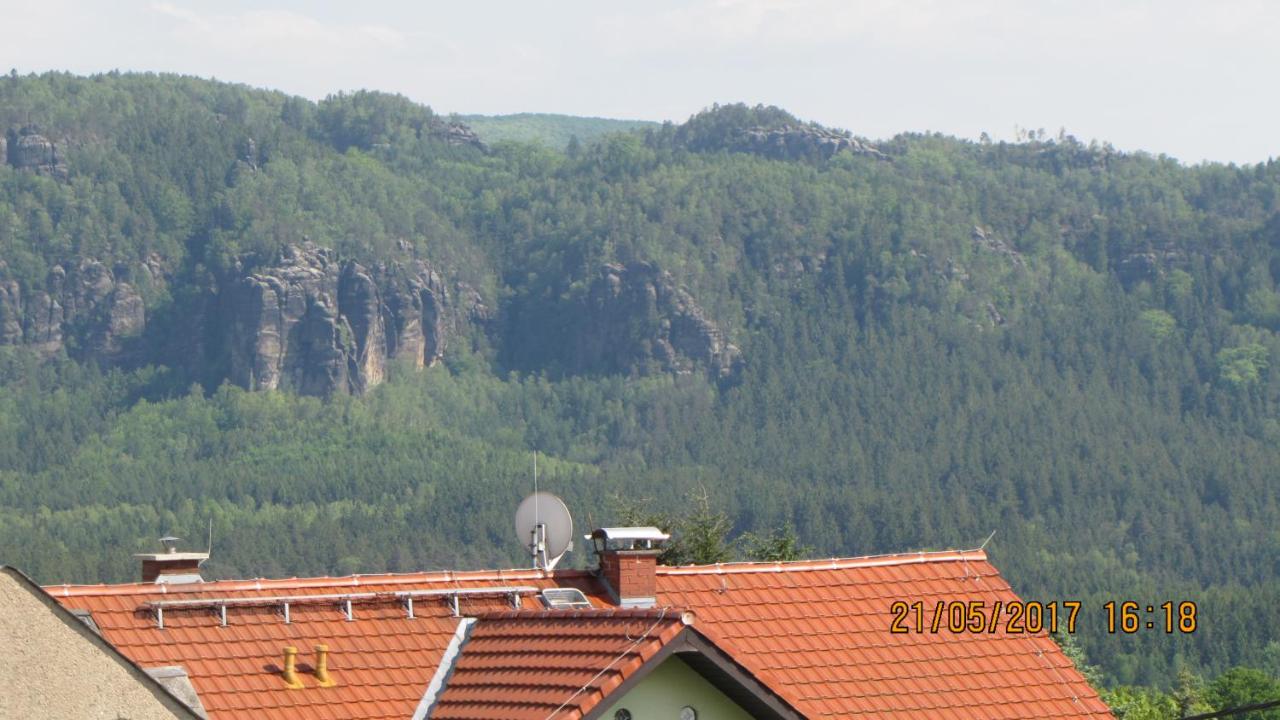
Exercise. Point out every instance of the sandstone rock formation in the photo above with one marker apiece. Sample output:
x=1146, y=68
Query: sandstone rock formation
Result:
x=84, y=299
x=799, y=142
x=308, y=322
x=12, y=318
x=456, y=133
x=317, y=326
x=313, y=323
x=638, y=319
x=27, y=149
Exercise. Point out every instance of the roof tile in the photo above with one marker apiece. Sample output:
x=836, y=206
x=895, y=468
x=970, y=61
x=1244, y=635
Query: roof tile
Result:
x=552, y=662
x=815, y=632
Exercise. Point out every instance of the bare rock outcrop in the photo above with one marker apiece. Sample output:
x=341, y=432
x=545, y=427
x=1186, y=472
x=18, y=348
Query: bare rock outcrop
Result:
x=83, y=300
x=456, y=133
x=317, y=325
x=27, y=149
x=44, y=321
x=12, y=318
x=986, y=239
x=1149, y=266
x=309, y=322
x=799, y=142
x=638, y=319
x=123, y=317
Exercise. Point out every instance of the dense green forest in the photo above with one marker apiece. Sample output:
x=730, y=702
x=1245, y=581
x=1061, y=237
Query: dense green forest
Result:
x=1068, y=345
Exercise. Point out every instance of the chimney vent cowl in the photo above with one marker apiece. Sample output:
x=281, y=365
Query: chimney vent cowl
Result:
x=290, y=672
x=323, y=678
x=170, y=565
x=628, y=563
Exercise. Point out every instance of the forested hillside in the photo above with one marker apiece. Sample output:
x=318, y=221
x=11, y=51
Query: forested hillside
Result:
x=338, y=330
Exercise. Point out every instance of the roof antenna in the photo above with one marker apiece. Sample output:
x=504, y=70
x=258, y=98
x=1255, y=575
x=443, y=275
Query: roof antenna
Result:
x=537, y=519
x=209, y=550
x=983, y=546
x=546, y=539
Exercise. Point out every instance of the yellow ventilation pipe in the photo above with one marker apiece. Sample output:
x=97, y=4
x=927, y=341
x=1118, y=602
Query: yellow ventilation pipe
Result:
x=291, y=679
x=322, y=667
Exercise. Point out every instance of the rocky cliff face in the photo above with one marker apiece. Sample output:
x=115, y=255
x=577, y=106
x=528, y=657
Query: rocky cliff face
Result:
x=456, y=133
x=1140, y=267
x=317, y=326
x=83, y=300
x=636, y=318
x=308, y=322
x=800, y=142
x=27, y=149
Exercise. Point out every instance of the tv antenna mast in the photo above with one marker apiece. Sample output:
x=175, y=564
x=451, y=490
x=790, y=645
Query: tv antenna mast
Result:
x=544, y=526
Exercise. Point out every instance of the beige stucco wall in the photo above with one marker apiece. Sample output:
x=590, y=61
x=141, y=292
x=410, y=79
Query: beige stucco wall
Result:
x=670, y=687
x=50, y=670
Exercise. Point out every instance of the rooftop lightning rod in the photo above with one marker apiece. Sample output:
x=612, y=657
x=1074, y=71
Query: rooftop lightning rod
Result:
x=540, y=531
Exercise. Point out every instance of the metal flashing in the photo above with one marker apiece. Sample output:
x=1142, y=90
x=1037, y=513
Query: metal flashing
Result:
x=565, y=598
x=444, y=670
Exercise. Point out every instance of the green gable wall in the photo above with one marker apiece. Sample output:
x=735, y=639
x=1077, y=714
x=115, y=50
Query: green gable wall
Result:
x=671, y=686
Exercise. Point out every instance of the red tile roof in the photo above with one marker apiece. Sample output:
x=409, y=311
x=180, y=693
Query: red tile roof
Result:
x=382, y=661
x=531, y=665
x=816, y=633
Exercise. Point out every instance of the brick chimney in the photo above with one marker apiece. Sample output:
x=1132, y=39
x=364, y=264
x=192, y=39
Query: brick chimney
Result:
x=172, y=566
x=628, y=563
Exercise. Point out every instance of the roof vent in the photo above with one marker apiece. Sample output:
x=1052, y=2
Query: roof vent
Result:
x=172, y=566
x=565, y=599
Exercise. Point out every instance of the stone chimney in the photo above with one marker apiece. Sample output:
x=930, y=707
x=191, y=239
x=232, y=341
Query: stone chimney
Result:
x=628, y=563
x=172, y=566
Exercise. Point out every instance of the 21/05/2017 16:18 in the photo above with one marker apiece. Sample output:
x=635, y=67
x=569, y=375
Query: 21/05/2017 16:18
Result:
x=1033, y=617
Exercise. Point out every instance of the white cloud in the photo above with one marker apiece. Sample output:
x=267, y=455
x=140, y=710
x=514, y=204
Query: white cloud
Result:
x=279, y=33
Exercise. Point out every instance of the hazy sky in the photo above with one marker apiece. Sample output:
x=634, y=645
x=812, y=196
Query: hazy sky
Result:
x=1195, y=80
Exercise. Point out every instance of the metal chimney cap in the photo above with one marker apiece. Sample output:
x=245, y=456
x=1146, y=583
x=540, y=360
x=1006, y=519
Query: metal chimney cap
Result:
x=173, y=555
x=630, y=533
x=170, y=552
x=627, y=538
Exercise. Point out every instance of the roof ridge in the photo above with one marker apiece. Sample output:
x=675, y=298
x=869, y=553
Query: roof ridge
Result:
x=672, y=613
x=323, y=581
x=504, y=576
x=923, y=556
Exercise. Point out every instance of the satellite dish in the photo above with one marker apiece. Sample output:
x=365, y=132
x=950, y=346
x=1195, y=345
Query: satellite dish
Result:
x=544, y=527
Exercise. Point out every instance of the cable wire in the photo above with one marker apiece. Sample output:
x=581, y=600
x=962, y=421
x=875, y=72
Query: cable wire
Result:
x=1229, y=712
x=625, y=652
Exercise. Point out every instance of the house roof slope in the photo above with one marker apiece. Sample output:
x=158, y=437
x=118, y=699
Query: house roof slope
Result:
x=381, y=660
x=818, y=633
x=531, y=665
